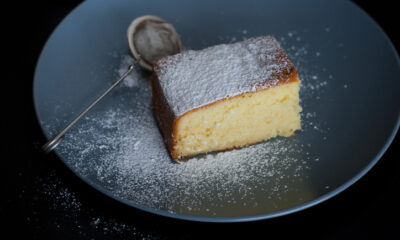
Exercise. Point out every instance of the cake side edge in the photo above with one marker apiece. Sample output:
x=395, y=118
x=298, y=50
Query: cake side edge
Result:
x=164, y=115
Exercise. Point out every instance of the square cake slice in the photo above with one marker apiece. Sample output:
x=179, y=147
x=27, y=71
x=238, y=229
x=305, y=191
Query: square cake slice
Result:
x=225, y=96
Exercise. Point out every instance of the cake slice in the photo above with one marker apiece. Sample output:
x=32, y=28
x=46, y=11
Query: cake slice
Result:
x=225, y=96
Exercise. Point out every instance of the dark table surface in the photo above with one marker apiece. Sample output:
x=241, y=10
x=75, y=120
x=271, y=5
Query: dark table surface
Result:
x=42, y=199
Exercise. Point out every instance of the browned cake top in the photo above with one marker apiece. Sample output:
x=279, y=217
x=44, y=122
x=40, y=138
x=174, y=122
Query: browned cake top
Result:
x=192, y=79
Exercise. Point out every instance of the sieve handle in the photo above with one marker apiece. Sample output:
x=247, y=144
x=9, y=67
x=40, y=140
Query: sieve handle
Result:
x=50, y=145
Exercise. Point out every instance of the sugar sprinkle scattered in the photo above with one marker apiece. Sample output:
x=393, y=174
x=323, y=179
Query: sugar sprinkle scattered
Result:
x=124, y=153
x=68, y=212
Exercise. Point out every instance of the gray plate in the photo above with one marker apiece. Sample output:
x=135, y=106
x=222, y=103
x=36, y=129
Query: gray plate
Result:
x=350, y=82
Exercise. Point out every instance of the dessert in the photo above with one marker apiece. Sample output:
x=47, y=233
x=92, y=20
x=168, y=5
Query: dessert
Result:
x=225, y=96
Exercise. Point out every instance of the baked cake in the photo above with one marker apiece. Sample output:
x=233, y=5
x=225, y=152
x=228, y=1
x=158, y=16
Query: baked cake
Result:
x=225, y=96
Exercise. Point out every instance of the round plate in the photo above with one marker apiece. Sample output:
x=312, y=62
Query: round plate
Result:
x=349, y=94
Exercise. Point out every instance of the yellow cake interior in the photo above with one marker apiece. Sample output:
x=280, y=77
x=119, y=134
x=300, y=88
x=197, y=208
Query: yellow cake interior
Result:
x=239, y=121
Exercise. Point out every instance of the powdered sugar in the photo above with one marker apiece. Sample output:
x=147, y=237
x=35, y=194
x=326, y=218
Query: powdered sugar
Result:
x=132, y=80
x=69, y=212
x=134, y=164
x=196, y=78
x=120, y=150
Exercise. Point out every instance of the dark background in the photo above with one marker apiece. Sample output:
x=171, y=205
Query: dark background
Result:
x=42, y=199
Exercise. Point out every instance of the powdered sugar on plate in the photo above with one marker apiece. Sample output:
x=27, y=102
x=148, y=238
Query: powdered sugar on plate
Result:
x=132, y=80
x=126, y=154
x=119, y=149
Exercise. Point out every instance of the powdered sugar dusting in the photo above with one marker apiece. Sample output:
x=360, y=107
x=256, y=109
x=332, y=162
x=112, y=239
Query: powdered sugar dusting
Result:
x=68, y=212
x=134, y=164
x=120, y=149
x=132, y=80
x=195, y=78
